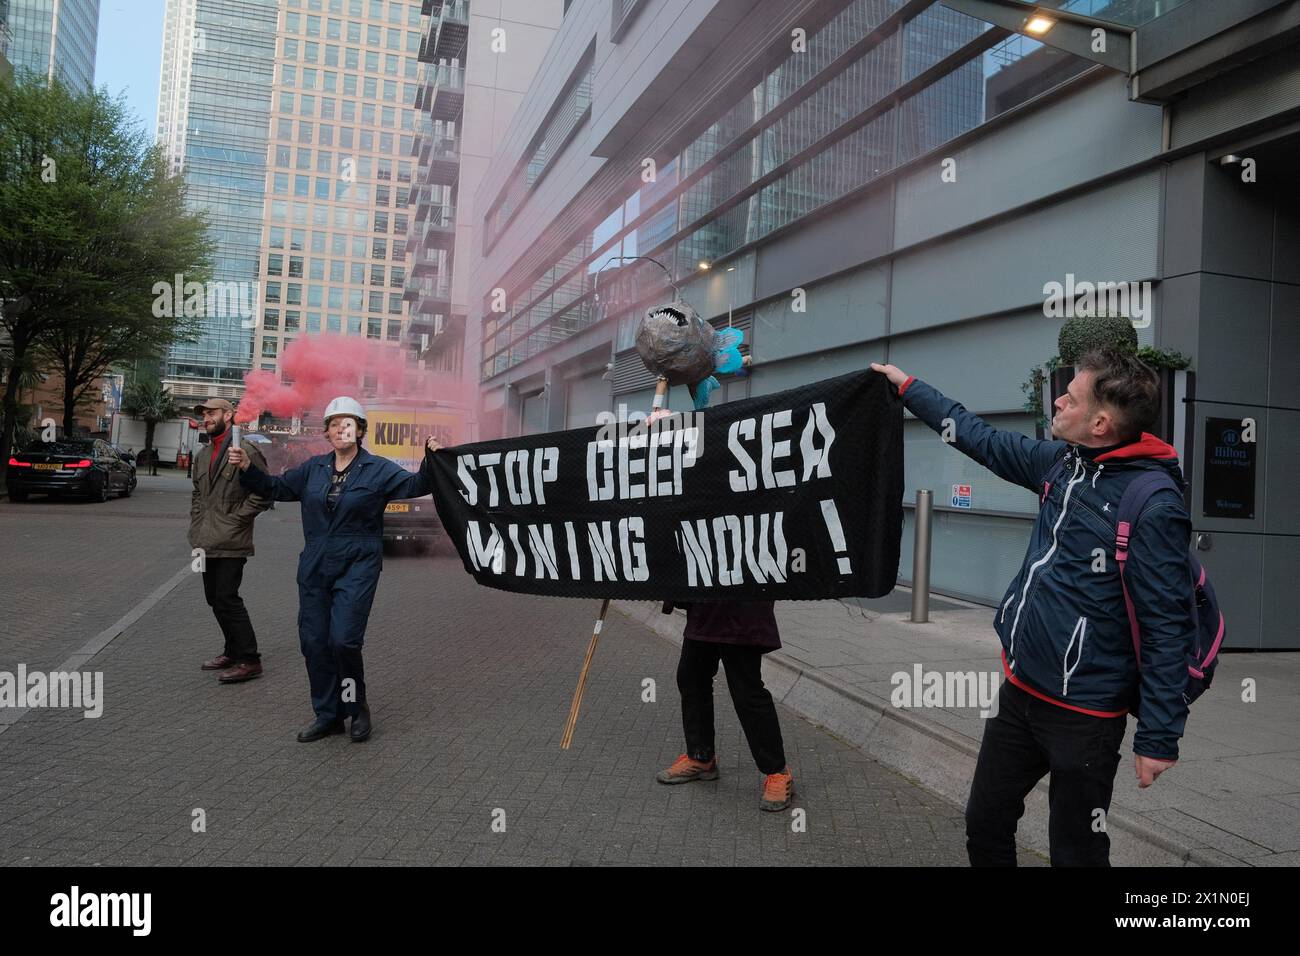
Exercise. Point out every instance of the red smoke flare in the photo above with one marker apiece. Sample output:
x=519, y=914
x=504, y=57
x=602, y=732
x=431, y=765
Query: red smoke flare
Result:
x=323, y=367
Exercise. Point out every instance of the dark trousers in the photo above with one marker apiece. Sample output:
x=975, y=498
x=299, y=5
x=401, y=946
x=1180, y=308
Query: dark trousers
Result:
x=221, y=580
x=333, y=610
x=1028, y=738
x=695, y=672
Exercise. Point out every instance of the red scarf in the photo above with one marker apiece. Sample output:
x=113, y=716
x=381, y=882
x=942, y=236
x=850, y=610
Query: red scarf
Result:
x=216, y=450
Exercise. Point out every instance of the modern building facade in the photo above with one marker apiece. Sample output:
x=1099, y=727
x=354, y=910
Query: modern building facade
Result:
x=6, y=38
x=53, y=38
x=901, y=180
x=336, y=221
x=477, y=61
x=214, y=110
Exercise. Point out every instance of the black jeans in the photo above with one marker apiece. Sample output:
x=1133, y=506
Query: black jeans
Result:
x=695, y=672
x=1028, y=738
x=221, y=580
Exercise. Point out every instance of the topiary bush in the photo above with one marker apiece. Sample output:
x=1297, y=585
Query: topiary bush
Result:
x=1163, y=358
x=1081, y=335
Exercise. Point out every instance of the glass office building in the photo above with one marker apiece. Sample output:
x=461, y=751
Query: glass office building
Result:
x=900, y=180
x=336, y=219
x=214, y=114
x=49, y=38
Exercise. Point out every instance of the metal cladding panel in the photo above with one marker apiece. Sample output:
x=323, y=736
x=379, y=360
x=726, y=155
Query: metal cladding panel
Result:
x=1254, y=92
x=1233, y=346
x=586, y=398
x=1108, y=235
x=1235, y=564
x=932, y=463
x=1041, y=153
x=1280, y=626
x=1284, y=347
x=771, y=377
x=980, y=364
x=824, y=245
x=972, y=555
x=841, y=311
x=1279, y=433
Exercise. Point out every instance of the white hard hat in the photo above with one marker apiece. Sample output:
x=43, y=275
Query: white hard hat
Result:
x=343, y=405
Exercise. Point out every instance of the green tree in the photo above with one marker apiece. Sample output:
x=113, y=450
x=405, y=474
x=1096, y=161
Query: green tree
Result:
x=150, y=401
x=89, y=221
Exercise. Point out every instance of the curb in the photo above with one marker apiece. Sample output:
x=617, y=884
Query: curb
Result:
x=928, y=753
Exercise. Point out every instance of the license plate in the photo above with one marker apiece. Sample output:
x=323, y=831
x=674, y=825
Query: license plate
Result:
x=40, y=466
x=396, y=507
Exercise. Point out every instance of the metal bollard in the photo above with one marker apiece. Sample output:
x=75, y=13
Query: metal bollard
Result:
x=921, y=557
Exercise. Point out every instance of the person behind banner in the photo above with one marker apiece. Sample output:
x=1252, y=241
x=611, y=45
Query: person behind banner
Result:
x=737, y=633
x=1067, y=645
x=343, y=494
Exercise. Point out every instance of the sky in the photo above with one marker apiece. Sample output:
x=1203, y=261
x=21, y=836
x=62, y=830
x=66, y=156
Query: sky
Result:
x=129, y=54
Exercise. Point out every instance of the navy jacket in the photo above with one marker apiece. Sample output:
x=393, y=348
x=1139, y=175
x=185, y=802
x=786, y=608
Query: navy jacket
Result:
x=1063, y=622
x=357, y=524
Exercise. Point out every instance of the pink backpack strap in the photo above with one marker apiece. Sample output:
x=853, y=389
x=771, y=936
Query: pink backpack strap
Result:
x=1131, y=503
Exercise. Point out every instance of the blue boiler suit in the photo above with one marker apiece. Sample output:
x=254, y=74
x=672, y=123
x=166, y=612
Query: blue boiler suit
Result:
x=339, y=567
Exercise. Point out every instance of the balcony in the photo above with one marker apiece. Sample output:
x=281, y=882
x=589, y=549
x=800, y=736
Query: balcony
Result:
x=446, y=332
x=428, y=293
x=450, y=31
x=426, y=262
x=421, y=200
x=445, y=92
x=439, y=228
x=434, y=296
x=443, y=160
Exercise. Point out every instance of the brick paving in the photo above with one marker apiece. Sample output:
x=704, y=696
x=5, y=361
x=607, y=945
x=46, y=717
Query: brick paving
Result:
x=469, y=687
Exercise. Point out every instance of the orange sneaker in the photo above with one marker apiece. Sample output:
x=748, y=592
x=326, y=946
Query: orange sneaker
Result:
x=778, y=790
x=684, y=770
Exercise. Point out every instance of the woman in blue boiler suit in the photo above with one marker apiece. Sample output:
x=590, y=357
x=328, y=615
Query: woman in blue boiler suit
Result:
x=343, y=494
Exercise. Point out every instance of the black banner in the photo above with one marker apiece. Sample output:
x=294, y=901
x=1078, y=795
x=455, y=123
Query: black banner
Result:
x=792, y=496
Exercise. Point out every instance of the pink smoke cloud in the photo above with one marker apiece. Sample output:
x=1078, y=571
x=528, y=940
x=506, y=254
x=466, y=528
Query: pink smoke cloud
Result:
x=323, y=367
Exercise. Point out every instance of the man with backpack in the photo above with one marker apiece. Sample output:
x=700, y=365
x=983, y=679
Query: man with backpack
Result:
x=1100, y=621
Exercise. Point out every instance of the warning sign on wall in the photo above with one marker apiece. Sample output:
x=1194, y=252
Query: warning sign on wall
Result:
x=961, y=496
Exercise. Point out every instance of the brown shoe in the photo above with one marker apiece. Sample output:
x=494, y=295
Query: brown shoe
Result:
x=219, y=663
x=240, y=673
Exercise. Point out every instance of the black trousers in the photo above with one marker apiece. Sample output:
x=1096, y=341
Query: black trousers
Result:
x=695, y=672
x=221, y=580
x=1027, y=739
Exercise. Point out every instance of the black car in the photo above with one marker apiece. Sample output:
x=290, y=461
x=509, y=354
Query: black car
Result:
x=85, y=467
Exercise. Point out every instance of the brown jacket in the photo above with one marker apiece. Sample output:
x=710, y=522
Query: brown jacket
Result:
x=221, y=510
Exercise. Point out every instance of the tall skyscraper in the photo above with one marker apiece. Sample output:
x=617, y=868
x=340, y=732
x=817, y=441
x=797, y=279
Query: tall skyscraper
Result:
x=335, y=219
x=214, y=107
x=53, y=38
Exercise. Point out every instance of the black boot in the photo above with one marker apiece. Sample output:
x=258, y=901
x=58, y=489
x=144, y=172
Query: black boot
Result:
x=318, y=728
x=360, y=724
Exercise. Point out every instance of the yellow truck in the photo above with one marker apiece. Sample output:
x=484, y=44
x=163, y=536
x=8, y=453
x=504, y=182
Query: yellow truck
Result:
x=398, y=430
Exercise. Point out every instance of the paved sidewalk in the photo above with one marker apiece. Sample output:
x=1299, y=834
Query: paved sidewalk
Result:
x=1233, y=798
x=470, y=688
